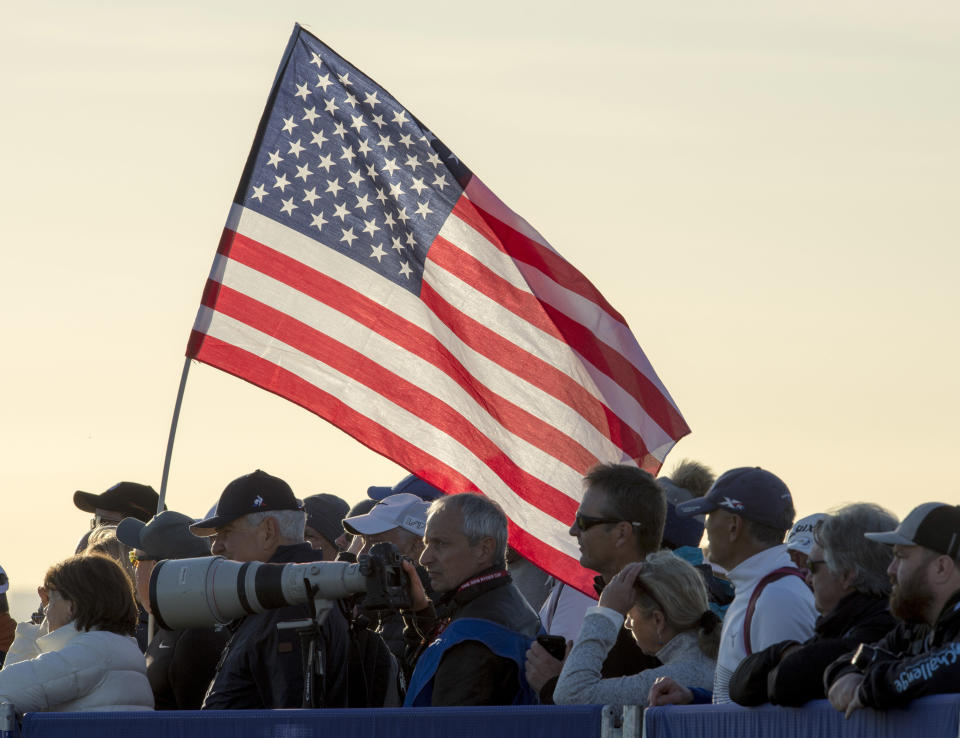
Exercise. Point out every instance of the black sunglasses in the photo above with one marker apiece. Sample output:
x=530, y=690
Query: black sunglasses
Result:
x=586, y=522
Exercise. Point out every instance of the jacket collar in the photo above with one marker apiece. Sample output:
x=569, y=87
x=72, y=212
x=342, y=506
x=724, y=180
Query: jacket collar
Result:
x=477, y=585
x=57, y=639
x=749, y=571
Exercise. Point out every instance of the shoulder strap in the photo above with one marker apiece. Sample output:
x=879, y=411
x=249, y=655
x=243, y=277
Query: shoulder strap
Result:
x=783, y=571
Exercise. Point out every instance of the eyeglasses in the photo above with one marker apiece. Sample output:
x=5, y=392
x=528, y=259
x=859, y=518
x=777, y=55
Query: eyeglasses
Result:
x=136, y=558
x=586, y=522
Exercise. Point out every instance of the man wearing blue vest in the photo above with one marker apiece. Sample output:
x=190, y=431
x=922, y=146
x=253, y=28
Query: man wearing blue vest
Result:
x=471, y=642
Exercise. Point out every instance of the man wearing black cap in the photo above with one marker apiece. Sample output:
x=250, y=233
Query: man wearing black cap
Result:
x=258, y=519
x=749, y=512
x=324, y=527
x=122, y=500
x=921, y=655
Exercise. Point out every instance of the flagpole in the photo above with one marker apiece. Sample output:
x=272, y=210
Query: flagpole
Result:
x=173, y=432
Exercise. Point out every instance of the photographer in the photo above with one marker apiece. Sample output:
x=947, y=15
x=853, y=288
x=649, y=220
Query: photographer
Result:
x=471, y=647
x=258, y=519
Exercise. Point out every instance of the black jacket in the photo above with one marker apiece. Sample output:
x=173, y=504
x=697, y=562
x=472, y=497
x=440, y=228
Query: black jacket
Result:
x=912, y=660
x=260, y=667
x=767, y=676
x=181, y=665
x=469, y=673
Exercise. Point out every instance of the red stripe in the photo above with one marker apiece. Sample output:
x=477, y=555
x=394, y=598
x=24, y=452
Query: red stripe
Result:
x=272, y=378
x=603, y=356
x=397, y=390
x=400, y=331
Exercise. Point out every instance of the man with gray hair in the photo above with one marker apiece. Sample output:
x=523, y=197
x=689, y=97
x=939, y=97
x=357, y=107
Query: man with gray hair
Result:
x=258, y=519
x=476, y=636
x=847, y=573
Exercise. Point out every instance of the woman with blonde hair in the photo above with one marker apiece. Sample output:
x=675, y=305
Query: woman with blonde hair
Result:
x=664, y=600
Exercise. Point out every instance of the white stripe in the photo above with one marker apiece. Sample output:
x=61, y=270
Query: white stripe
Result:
x=408, y=426
x=345, y=270
x=483, y=196
x=401, y=362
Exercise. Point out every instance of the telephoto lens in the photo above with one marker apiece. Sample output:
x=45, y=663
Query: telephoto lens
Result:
x=196, y=593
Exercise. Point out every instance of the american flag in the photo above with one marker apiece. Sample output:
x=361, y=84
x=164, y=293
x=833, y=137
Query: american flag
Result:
x=367, y=275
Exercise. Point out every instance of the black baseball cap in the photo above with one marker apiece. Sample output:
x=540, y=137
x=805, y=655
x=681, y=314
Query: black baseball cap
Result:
x=251, y=493
x=128, y=498
x=933, y=525
x=165, y=536
x=750, y=492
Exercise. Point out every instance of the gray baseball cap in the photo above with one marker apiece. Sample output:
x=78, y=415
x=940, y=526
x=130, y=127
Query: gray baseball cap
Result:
x=933, y=525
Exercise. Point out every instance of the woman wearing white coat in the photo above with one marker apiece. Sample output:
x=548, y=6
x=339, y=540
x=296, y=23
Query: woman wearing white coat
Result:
x=83, y=656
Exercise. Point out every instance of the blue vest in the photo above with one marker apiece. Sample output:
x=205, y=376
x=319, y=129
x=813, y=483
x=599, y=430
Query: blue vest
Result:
x=504, y=643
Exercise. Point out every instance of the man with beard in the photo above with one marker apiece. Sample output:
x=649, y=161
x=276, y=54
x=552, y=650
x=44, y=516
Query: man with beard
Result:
x=921, y=655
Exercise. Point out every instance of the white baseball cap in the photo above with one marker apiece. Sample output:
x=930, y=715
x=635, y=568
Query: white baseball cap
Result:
x=800, y=537
x=403, y=510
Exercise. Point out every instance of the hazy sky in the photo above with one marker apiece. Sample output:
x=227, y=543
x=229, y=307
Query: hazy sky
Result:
x=764, y=190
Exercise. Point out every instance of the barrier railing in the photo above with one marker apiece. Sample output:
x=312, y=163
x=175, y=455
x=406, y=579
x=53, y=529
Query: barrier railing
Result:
x=931, y=717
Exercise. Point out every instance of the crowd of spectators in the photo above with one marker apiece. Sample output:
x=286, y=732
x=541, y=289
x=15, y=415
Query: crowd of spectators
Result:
x=850, y=605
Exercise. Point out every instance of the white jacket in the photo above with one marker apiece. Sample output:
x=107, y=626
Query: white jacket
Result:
x=72, y=671
x=784, y=612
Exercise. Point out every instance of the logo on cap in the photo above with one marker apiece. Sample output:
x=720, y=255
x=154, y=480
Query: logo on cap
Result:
x=731, y=503
x=257, y=501
x=411, y=522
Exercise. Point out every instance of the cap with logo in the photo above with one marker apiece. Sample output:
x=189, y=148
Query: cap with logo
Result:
x=404, y=510
x=127, y=498
x=251, y=493
x=750, y=492
x=933, y=525
x=800, y=537
x=165, y=536
x=410, y=484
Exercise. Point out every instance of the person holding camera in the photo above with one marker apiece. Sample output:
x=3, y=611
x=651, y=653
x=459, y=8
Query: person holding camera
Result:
x=472, y=642
x=257, y=518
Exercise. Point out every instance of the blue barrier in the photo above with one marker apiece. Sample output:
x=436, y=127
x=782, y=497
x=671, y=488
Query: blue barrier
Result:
x=930, y=717
x=423, y=722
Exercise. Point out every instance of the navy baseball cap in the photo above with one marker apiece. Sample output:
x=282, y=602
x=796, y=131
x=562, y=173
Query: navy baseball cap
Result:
x=750, y=492
x=933, y=525
x=251, y=493
x=411, y=484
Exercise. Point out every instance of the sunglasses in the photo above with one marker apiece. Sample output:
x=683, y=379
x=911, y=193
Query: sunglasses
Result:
x=136, y=558
x=586, y=522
